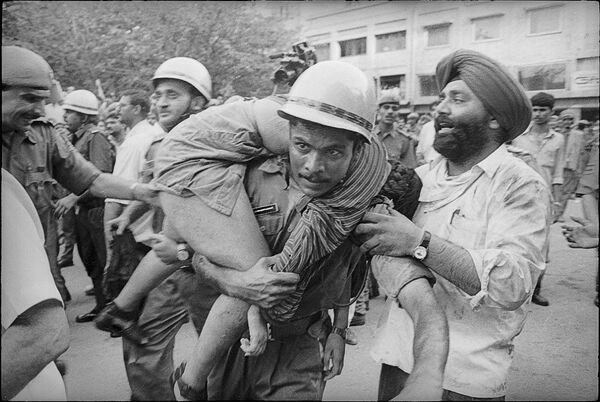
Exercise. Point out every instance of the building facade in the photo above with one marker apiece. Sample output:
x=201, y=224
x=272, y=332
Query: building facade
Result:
x=550, y=46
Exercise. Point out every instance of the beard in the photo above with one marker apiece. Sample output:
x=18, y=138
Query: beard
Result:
x=461, y=140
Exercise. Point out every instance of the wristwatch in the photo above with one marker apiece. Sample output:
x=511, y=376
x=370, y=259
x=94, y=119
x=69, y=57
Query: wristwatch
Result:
x=420, y=252
x=183, y=252
x=340, y=331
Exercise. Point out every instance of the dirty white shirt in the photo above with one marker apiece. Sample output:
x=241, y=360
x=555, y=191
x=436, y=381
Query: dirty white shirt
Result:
x=26, y=279
x=132, y=152
x=498, y=212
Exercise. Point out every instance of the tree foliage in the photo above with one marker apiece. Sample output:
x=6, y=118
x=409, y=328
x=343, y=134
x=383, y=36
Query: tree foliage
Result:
x=122, y=43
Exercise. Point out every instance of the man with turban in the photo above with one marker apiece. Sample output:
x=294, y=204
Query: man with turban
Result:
x=480, y=227
x=547, y=146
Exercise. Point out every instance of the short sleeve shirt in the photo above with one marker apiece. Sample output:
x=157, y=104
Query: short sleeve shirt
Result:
x=26, y=278
x=399, y=146
x=40, y=157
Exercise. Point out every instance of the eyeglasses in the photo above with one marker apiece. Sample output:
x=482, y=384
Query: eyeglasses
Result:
x=388, y=107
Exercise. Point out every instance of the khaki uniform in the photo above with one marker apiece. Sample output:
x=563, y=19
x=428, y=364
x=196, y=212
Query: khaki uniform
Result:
x=89, y=213
x=38, y=159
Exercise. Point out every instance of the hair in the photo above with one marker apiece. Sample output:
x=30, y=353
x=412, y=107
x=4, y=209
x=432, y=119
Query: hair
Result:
x=542, y=99
x=138, y=98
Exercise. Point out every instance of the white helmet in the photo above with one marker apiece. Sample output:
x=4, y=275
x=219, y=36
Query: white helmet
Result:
x=187, y=70
x=334, y=94
x=82, y=101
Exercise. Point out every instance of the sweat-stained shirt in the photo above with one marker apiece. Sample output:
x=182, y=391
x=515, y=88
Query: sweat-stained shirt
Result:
x=498, y=211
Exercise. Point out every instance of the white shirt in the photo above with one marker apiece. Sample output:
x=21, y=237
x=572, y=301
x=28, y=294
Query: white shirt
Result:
x=425, y=146
x=26, y=278
x=131, y=153
x=498, y=212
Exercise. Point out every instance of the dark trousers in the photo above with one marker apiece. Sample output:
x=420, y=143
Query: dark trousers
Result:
x=392, y=380
x=166, y=308
x=89, y=233
x=66, y=237
x=49, y=224
x=289, y=369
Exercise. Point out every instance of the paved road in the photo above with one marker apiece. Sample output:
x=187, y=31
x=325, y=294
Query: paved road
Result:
x=556, y=355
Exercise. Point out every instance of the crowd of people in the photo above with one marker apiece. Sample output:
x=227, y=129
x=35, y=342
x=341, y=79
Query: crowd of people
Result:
x=270, y=223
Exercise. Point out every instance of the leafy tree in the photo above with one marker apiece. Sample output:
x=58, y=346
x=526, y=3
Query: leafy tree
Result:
x=122, y=43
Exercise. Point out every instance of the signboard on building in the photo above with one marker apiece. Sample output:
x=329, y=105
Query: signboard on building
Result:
x=585, y=80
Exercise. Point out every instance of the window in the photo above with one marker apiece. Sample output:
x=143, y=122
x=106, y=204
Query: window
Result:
x=390, y=41
x=438, y=35
x=544, y=20
x=322, y=51
x=486, y=28
x=428, y=85
x=353, y=47
x=394, y=81
x=543, y=77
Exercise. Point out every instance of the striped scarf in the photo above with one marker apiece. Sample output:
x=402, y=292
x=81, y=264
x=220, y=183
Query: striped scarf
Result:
x=327, y=221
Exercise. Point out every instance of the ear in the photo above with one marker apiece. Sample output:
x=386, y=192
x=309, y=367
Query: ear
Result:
x=197, y=104
x=137, y=109
x=493, y=124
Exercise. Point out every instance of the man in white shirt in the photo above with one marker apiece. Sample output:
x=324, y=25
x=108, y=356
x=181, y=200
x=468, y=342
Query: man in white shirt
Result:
x=133, y=109
x=481, y=227
x=34, y=325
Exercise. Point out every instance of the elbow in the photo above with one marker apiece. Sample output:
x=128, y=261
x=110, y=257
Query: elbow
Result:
x=58, y=341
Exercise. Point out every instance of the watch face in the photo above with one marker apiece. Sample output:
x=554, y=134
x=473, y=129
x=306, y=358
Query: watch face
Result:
x=420, y=253
x=183, y=255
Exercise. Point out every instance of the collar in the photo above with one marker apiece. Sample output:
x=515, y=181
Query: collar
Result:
x=489, y=165
x=551, y=133
x=493, y=161
x=82, y=130
x=394, y=131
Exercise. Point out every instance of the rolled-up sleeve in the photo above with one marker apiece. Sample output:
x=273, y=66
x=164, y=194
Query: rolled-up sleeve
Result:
x=393, y=273
x=70, y=168
x=516, y=240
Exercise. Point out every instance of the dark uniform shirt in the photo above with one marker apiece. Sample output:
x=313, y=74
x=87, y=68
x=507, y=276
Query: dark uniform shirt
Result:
x=399, y=146
x=95, y=147
x=39, y=157
x=278, y=210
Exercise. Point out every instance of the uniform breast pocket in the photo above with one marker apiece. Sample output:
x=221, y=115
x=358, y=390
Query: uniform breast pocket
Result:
x=466, y=231
x=40, y=187
x=270, y=224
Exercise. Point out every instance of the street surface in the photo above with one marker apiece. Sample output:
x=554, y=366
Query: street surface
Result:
x=556, y=355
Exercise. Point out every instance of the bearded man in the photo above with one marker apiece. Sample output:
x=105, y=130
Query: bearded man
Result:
x=481, y=227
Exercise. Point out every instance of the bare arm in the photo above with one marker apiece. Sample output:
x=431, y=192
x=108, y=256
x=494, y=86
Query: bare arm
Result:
x=36, y=338
x=453, y=263
x=258, y=285
x=430, y=347
x=395, y=235
x=110, y=186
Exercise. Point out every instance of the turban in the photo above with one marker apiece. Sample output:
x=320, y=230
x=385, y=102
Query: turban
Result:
x=501, y=95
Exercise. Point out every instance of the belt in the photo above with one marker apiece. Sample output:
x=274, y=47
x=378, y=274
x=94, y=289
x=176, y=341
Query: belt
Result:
x=281, y=331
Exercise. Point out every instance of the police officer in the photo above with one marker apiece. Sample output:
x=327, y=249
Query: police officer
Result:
x=81, y=109
x=36, y=155
x=399, y=145
x=182, y=86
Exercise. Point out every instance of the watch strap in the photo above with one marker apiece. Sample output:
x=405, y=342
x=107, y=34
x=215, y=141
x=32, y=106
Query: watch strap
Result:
x=426, y=239
x=340, y=331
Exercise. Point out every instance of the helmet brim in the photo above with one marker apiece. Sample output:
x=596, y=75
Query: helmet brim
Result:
x=203, y=91
x=290, y=111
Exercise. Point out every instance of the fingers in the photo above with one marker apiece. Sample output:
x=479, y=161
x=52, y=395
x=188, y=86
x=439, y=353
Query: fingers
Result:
x=373, y=217
x=579, y=220
x=369, y=246
x=157, y=237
